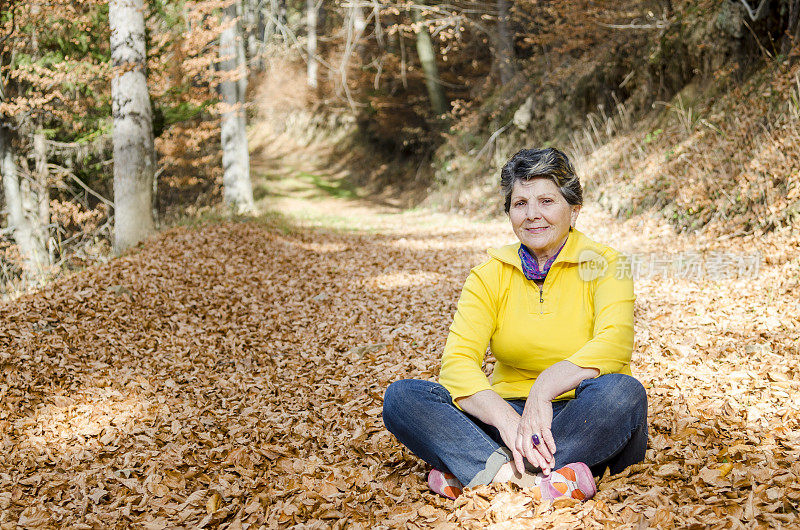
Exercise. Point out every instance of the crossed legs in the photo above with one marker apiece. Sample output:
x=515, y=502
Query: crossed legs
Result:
x=604, y=426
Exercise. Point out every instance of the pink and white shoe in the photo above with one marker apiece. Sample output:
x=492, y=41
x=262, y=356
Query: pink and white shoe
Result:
x=573, y=480
x=445, y=484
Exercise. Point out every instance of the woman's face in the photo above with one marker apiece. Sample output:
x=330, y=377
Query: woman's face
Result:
x=540, y=215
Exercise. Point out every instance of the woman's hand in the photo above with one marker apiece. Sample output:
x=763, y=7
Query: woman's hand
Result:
x=537, y=418
x=493, y=410
x=508, y=426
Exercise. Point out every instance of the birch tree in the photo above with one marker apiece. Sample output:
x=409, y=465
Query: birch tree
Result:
x=26, y=198
x=504, y=43
x=254, y=32
x=22, y=204
x=312, y=64
x=134, y=155
x=238, y=190
x=359, y=27
x=41, y=194
x=427, y=56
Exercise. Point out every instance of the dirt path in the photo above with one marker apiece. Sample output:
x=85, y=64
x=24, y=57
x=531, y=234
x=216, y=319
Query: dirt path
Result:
x=231, y=375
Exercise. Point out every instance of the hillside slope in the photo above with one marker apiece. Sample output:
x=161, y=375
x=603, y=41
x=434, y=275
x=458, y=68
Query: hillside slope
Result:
x=698, y=122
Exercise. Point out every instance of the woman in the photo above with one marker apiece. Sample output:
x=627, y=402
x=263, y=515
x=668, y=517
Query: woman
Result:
x=558, y=316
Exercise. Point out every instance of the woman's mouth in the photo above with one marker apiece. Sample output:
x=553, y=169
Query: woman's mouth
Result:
x=536, y=230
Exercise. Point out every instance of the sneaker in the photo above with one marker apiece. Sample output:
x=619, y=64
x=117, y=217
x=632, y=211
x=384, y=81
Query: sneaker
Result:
x=445, y=484
x=573, y=480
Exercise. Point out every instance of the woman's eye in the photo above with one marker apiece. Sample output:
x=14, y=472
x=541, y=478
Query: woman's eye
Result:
x=519, y=203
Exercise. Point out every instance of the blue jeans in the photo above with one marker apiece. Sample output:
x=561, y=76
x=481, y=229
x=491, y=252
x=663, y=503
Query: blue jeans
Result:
x=605, y=425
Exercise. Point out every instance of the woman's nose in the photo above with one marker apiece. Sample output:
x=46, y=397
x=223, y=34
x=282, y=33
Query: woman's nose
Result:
x=533, y=212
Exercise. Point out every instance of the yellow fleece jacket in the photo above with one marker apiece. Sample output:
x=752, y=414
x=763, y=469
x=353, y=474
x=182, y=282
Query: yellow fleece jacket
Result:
x=583, y=314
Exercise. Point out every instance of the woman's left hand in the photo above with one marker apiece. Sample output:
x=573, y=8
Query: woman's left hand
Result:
x=537, y=418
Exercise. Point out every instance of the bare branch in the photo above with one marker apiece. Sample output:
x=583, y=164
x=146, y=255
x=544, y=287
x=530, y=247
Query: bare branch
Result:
x=492, y=138
x=760, y=11
x=289, y=33
x=90, y=191
x=661, y=24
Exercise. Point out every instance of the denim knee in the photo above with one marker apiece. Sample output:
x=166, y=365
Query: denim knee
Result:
x=391, y=399
x=622, y=395
x=404, y=400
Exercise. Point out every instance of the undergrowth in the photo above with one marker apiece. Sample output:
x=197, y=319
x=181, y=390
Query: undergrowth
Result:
x=698, y=124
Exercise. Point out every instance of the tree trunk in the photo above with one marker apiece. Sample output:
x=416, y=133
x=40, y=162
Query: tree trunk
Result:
x=792, y=28
x=235, y=155
x=241, y=62
x=427, y=56
x=359, y=26
x=282, y=12
x=274, y=14
x=23, y=213
x=254, y=31
x=313, y=66
x=42, y=192
x=134, y=154
x=269, y=13
x=504, y=43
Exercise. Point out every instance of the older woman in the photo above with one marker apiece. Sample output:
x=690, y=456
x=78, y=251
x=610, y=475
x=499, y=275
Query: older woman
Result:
x=558, y=317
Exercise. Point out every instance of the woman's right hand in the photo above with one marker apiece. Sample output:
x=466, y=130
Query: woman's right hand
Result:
x=493, y=410
x=515, y=430
x=508, y=426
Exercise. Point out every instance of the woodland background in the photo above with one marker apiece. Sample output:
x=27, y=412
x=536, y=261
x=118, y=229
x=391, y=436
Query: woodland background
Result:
x=202, y=379
x=685, y=109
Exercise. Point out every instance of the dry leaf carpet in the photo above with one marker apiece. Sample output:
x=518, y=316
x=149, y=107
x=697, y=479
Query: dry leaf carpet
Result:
x=231, y=375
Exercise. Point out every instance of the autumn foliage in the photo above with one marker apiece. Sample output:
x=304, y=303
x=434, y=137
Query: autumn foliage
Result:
x=585, y=74
x=232, y=374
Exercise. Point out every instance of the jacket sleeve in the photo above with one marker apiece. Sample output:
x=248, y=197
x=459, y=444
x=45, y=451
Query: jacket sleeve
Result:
x=611, y=345
x=473, y=325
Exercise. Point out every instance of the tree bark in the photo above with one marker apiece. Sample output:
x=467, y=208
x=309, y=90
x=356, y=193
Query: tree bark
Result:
x=792, y=28
x=271, y=15
x=134, y=154
x=23, y=214
x=311, y=22
x=359, y=26
x=254, y=31
x=238, y=189
x=504, y=43
x=759, y=12
x=42, y=192
x=427, y=56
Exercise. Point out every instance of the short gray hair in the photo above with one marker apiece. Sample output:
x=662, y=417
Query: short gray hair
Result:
x=550, y=163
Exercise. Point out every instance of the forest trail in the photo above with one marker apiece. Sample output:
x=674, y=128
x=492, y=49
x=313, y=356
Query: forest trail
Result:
x=230, y=374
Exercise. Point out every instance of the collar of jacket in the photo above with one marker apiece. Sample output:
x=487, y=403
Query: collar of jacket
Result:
x=579, y=249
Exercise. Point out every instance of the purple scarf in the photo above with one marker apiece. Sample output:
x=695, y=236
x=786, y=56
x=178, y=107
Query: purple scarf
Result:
x=530, y=267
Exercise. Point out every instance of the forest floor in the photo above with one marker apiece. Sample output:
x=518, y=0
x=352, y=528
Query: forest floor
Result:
x=230, y=373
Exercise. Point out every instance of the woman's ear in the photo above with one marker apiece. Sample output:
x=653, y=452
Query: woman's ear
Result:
x=576, y=209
